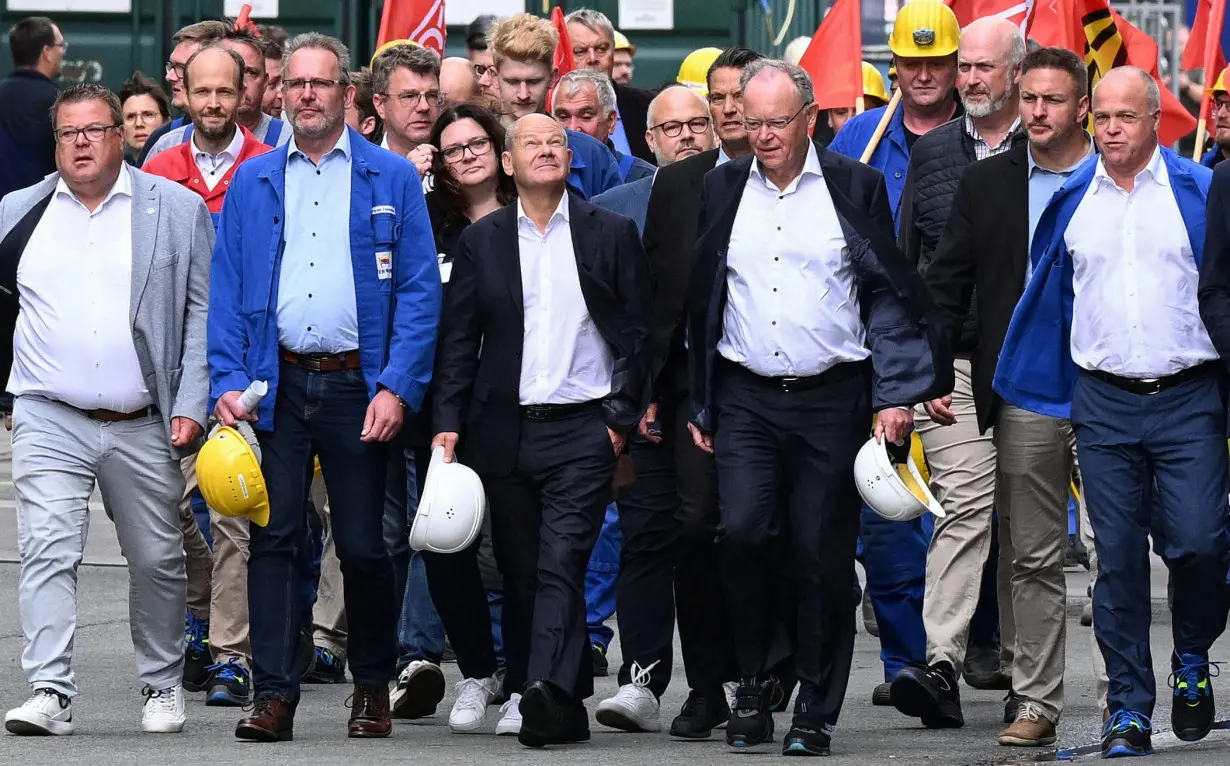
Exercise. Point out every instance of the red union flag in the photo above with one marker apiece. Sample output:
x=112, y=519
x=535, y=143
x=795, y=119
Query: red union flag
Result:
x=967, y=11
x=419, y=20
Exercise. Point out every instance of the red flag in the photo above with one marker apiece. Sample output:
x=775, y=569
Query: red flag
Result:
x=563, y=62
x=967, y=11
x=419, y=20
x=244, y=20
x=834, y=59
x=1091, y=28
x=1203, y=49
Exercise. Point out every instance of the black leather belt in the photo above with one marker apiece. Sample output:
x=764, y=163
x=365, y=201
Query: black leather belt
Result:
x=557, y=411
x=835, y=374
x=1150, y=386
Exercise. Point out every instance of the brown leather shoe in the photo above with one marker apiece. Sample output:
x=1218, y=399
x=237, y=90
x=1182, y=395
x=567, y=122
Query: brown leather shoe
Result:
x=1030, y=729
x=370, y=715
x=272, y=720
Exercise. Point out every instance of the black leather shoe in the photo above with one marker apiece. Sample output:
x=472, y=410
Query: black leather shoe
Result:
x=547, y=718
x=701, y=714
x=930, y=694
x=803, y=739
x=981, y=669
x=750, y=722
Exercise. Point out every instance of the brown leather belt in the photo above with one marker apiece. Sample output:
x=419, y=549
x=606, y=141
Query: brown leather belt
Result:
x=323, y=362
x=111, y=416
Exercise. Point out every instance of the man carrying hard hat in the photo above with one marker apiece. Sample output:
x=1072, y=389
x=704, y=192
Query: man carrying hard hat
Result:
x=1220, y=129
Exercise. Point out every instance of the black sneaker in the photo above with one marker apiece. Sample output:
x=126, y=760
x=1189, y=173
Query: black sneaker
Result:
x=1012, y=703
x=750, y=722
x=1191, y=713
x=327, y=668
x=230, y=685
x=882, y=695
x=602, y=668
x=547, y=718
x=700, y=715
x=197, y=658
x=307, y=651
x=930, y=694
x=806, y=740
x=1126, y=734
x=981, y=669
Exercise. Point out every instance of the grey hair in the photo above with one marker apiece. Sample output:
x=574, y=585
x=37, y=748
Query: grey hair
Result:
x=1153, y=93
x=322, y=42
x=419, y=60
x=594, y=20
x=651, y=119
x=1017, y=49
x=510, y=133
x=570, y=84
x=800, y=78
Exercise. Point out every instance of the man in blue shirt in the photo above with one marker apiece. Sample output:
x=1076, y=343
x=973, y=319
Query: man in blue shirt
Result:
x=325, y=285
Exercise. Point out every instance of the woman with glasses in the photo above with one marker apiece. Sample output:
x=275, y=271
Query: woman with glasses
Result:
x=145, y=109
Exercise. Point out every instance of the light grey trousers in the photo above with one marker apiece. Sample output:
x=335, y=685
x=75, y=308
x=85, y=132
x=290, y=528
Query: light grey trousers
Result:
x=58, y=455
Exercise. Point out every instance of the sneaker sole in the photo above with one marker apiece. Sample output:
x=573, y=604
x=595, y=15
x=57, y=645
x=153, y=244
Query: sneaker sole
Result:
x=621, y=720
x=49, y=728
x=1022, y=742
x=1192, y=735
x=913, y=700
x=224, y=699
x=467, y=728
x=174, y=727
x=799, y=748
x=507, y=731
x=690, y=734
x=193, y=686
x=420, y=687
x=1124, y=750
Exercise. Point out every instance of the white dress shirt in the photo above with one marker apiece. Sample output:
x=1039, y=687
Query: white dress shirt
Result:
x=1134, y=313
x=792, y=304
x=73, y=339
x=214, y=166
x=564, y=359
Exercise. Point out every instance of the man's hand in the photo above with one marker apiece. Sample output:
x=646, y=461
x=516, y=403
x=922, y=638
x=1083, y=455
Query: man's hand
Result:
x=894, y=424
x=384, y=417
x=617, y=441
x=422, y=156
x=940, y=410
x=228, y=411
x=184, y=431
x=647, y=421
x=447, y=440
x=701, y=439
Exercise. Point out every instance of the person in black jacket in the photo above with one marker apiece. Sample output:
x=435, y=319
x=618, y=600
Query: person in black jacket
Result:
x=27, y=147
x=542, y=374
x=1215, y=270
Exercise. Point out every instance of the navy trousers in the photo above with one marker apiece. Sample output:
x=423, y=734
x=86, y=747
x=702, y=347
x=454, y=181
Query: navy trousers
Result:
x=1176, y=441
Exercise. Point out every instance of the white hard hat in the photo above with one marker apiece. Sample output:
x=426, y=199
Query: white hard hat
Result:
x=892, y=488
x=452, y=508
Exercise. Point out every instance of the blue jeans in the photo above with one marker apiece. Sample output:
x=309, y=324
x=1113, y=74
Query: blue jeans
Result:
x=600, y=578
x=420, y=634
x=894, y=555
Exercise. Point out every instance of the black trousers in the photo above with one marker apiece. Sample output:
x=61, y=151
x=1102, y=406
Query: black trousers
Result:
x=786, y=474
x=545, y=519
x=669, y=561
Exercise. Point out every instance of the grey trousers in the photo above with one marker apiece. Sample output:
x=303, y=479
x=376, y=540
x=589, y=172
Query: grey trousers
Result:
x=58, y=455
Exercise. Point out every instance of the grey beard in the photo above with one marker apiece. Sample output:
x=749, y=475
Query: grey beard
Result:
x=328, y=125
x=981, y=109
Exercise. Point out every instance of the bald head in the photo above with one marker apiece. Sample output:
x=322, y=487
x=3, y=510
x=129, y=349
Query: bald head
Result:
x=458, y=81
x=680, y=111
x=988, y=67
x=1130, y=81
x=1126, y=109
x=997, y=33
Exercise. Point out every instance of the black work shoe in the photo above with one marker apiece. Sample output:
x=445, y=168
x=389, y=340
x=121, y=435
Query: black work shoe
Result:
x=882, y=695
x=700, y=715
x=602, y=668
x=930, y=694
x=750, y=722
x=328, y=668
x=981, y=669
x=1191, y=712
x=197, y=656
x=1126, y=734
x=548, y=719
x=805, y=740
x=1012, y=703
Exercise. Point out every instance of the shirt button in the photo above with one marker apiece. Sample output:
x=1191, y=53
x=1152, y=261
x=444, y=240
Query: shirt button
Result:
x=897, y=175
x=774, y=289
x=309, y=328
x=313, y=234
x=309, y=295
x=312, y=264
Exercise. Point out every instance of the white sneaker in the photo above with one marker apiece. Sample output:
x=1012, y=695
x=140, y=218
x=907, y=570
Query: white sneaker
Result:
x=470, y=709
x=418, y=691
x=633, y=708
x=729, y=688
x=46, y=712
x=510, y=717
x=164, y=710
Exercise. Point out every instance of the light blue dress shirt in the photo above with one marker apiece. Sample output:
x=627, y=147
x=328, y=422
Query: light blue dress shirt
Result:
x=619, y=138
x=1043, y=184
x=316, y=297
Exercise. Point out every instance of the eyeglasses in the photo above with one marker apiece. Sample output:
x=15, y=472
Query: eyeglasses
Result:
x=776, y=124
x=62, y=45
x=601, y=49
x=481, y=70
x=298, y=86
x=411, y=98
x=478, y=147
x=1220, y=104
x=178, y=69
x=92, y=133
x=672, y=128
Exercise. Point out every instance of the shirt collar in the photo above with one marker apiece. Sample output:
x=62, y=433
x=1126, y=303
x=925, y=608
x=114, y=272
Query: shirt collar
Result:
x=974, y=134
x=231, y=151
x=1029, y=159
x=342, y=145
x=562, y=210
x=722, y=157
x=811, y=166
x=1155, y=170
x=121, y=187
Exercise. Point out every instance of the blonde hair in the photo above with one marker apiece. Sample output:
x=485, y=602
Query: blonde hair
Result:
x=523, y=37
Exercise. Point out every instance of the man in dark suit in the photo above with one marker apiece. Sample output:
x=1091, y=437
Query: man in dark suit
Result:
x=985, y=248
x=803, y=319
x=1215, y=271
x=555, y=293
x=27, y=148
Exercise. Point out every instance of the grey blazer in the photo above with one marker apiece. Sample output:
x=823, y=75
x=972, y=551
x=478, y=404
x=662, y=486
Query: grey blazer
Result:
x=172, y=244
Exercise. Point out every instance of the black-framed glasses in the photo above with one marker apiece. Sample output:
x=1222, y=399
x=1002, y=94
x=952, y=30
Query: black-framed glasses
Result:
x=299, y=85
x=672, y=128
x=481, y=70
x=411, y=98
x=477, y=147
x=92, y=133
x=775, y=124
x=178, y=69
x=1221, y=103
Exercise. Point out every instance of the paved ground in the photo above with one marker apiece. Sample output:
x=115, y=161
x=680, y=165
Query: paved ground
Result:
x=108, y=711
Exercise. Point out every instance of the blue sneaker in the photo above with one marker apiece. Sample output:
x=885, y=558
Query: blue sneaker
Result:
x=329, y=668
x=1125, y=734
x=230, y=685
x=1192, y=711
x=197, y=658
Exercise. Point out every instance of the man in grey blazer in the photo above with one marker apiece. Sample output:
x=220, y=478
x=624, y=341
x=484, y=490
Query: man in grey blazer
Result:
x=105, y=278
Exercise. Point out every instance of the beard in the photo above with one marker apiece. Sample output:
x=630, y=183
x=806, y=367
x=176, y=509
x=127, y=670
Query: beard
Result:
x=328, y=123
x=980, y=109
x=1221, y=137
x=215, y=133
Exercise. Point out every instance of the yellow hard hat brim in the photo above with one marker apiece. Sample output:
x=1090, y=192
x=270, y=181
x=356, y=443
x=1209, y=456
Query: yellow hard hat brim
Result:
x=1221, y=86
x=390, y=44
x=260, y=515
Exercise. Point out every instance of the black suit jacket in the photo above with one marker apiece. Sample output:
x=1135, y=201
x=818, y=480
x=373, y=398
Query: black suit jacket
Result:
x=911, y=361
x=477, y=382
x=1215, y=266
x=633, y=105
x=985, y=245
x=670, y=240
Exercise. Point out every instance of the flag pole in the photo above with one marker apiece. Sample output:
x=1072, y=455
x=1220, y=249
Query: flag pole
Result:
x=883, y=126
x=860, y=105
x=1202, y=130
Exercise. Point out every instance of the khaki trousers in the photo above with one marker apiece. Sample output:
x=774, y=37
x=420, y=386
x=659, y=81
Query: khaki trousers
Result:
x=1035, y=469
x=329, y=612
x=962, y=464
x=199, y=560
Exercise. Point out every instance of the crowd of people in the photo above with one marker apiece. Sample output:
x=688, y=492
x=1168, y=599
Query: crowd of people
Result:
x=660, y=325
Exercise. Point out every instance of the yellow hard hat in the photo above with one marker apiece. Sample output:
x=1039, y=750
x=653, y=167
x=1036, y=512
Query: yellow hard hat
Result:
x=1223, y=83
x=316, y=466
x=694, y=71
x=925, y=29
x=228, y=473
x=920, y=459
x=390, y=44
x=623, y=44
x=873, y=83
